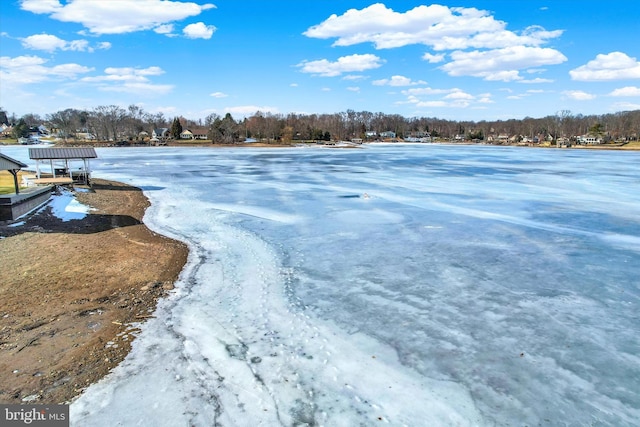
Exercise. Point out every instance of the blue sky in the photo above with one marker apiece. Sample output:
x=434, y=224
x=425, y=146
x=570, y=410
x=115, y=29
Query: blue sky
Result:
x=460, y=60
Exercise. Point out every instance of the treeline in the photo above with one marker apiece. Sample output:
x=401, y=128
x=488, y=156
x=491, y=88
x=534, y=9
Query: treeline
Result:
x=116, y=123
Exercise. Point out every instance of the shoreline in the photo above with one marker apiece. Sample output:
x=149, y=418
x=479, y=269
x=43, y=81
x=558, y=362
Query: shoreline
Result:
x=74, y=292
x=186, y=144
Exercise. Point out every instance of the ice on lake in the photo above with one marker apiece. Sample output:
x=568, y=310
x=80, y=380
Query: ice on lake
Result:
x=394, y=284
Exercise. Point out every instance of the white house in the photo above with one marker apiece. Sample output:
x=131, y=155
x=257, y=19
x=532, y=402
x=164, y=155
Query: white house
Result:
x=370, y=134
x=589, y=139
x=87, y=136
x=195, y=133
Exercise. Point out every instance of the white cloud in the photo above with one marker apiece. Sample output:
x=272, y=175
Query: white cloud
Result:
x=485, y=99
x=458, y=94
x=198, y=31
x=166, y=29
x=21, y=61
x=626, y=91
x=625, y=106
x=344, y=64
x=440, y=104
x=611, y=66
x=433, y=59
x=353, y=89
x=41, y=6
x=116, y=17
x=499, y=54
x=447, y=98
x=51, y=43
x=453, y=98
x=46, y=42
x=578, y=95
x=438, y=26
x=69, y=71
x=138, y=88
x=424, y=91
x=398, y=81
x=130, y=80
x=501, y=64
x=31, y=69
x=168, y=110
x=79, y=46
x=150, y=71
x=219, y=95
x=354, y=77
x=537, y=80
x=130, y=74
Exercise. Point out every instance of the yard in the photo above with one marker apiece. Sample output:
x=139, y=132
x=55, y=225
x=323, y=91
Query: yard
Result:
x=6, y=181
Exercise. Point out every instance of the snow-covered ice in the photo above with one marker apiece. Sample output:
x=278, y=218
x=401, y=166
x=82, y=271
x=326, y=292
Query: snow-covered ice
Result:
x=394, y=284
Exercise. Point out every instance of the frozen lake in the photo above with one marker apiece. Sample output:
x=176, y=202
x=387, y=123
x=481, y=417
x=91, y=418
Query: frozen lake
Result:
x=402, y=284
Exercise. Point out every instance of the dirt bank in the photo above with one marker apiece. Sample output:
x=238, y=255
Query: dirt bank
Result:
x=70, y=291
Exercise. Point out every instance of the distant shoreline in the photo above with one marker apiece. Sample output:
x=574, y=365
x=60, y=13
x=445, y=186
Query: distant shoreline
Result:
x=631, y=146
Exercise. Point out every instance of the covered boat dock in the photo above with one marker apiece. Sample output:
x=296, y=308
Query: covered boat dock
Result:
x=60, y=160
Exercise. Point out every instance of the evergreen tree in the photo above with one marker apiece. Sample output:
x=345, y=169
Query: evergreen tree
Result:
x=176, y=129
x=21, y=130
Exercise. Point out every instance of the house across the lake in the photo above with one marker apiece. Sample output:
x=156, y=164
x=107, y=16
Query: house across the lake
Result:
x=161, y=134
x=588, y=140
x=194, y=133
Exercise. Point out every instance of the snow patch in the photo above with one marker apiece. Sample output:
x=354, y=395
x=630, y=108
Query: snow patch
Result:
x=65, y=206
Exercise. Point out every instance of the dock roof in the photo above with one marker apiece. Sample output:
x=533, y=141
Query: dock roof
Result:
x=62, y=153
x=7, y=163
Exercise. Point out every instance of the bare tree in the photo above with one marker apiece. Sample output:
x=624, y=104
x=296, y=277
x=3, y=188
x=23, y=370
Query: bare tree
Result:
x=108, y=121
x=562, y=117
x=66, y=121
